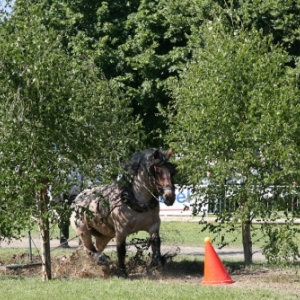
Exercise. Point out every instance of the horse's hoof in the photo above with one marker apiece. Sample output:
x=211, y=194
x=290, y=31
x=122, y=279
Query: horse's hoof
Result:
x=121, y=273
x=157, y=263
x=156, y=271
x=101, y=259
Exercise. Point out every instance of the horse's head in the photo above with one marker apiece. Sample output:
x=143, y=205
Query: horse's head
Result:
x=162, y=172
x=157, y=172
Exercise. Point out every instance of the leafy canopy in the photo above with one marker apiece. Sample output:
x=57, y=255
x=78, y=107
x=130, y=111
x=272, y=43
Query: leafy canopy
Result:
x=56, y=112
x=235, y=113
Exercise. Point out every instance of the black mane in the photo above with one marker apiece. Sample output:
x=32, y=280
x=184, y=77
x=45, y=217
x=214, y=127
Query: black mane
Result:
x=146, y=158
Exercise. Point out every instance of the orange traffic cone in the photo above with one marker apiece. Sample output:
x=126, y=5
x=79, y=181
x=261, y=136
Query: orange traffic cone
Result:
x=214, y=270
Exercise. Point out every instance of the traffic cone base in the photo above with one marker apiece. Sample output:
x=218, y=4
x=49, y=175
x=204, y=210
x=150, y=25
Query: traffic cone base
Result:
x=228, y=281
x=214, y=270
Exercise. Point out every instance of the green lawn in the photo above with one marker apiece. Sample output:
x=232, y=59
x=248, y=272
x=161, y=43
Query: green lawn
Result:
x=178, y=233
x=113, y=289
x=183, y=283
x=191, y=234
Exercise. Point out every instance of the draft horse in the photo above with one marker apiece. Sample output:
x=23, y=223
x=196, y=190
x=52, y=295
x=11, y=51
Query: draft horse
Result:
x=117, y=210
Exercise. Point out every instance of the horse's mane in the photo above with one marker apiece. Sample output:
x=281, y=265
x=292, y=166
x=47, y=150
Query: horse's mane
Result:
x=146, y=158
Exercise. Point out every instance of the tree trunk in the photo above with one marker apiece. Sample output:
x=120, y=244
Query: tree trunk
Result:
x=45, y=235
x=247, y=242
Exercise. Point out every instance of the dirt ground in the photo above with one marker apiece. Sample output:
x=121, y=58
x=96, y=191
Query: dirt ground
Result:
x=77, y=264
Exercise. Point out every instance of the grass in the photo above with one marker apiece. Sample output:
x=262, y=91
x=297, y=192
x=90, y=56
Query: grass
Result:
x=191, y=234
x=113, y=289
x=179, y=233
x=258, y=282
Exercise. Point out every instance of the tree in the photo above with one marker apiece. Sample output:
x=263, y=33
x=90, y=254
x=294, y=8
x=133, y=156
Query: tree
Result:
x=139, y=44
x=154, y=52
x=235, y=113
x=51, y=99
x=273, y=17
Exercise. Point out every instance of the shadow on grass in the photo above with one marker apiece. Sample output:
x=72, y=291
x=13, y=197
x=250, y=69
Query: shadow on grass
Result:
x=183, y=268
x=195, y=268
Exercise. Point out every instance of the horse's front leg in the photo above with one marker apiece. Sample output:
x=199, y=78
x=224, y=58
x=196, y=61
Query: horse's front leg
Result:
x=155, y=246
x=121, y=252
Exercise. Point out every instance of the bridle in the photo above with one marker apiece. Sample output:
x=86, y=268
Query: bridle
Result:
x=155, y=190
x=155, y=183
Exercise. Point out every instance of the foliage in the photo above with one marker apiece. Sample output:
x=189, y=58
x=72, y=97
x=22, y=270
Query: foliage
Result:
x=278, y=18
x=235, y=113
x=63, y=60
x=138, y=44
x=154, y=52
x=51, y=100
x=141, y=44
x=283, y=244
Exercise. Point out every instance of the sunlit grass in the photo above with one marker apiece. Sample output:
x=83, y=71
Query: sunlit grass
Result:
x=16, y=288
x=191, y=234
x=176, y=233
x=173, y=286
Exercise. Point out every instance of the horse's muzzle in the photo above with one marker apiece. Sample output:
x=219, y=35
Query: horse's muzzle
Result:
x=168, y=196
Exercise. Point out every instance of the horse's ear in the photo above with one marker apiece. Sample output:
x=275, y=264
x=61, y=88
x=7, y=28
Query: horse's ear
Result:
x=169, y=153
x=156, y=154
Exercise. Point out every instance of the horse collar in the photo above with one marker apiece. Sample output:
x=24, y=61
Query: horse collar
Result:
x=128, y=198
